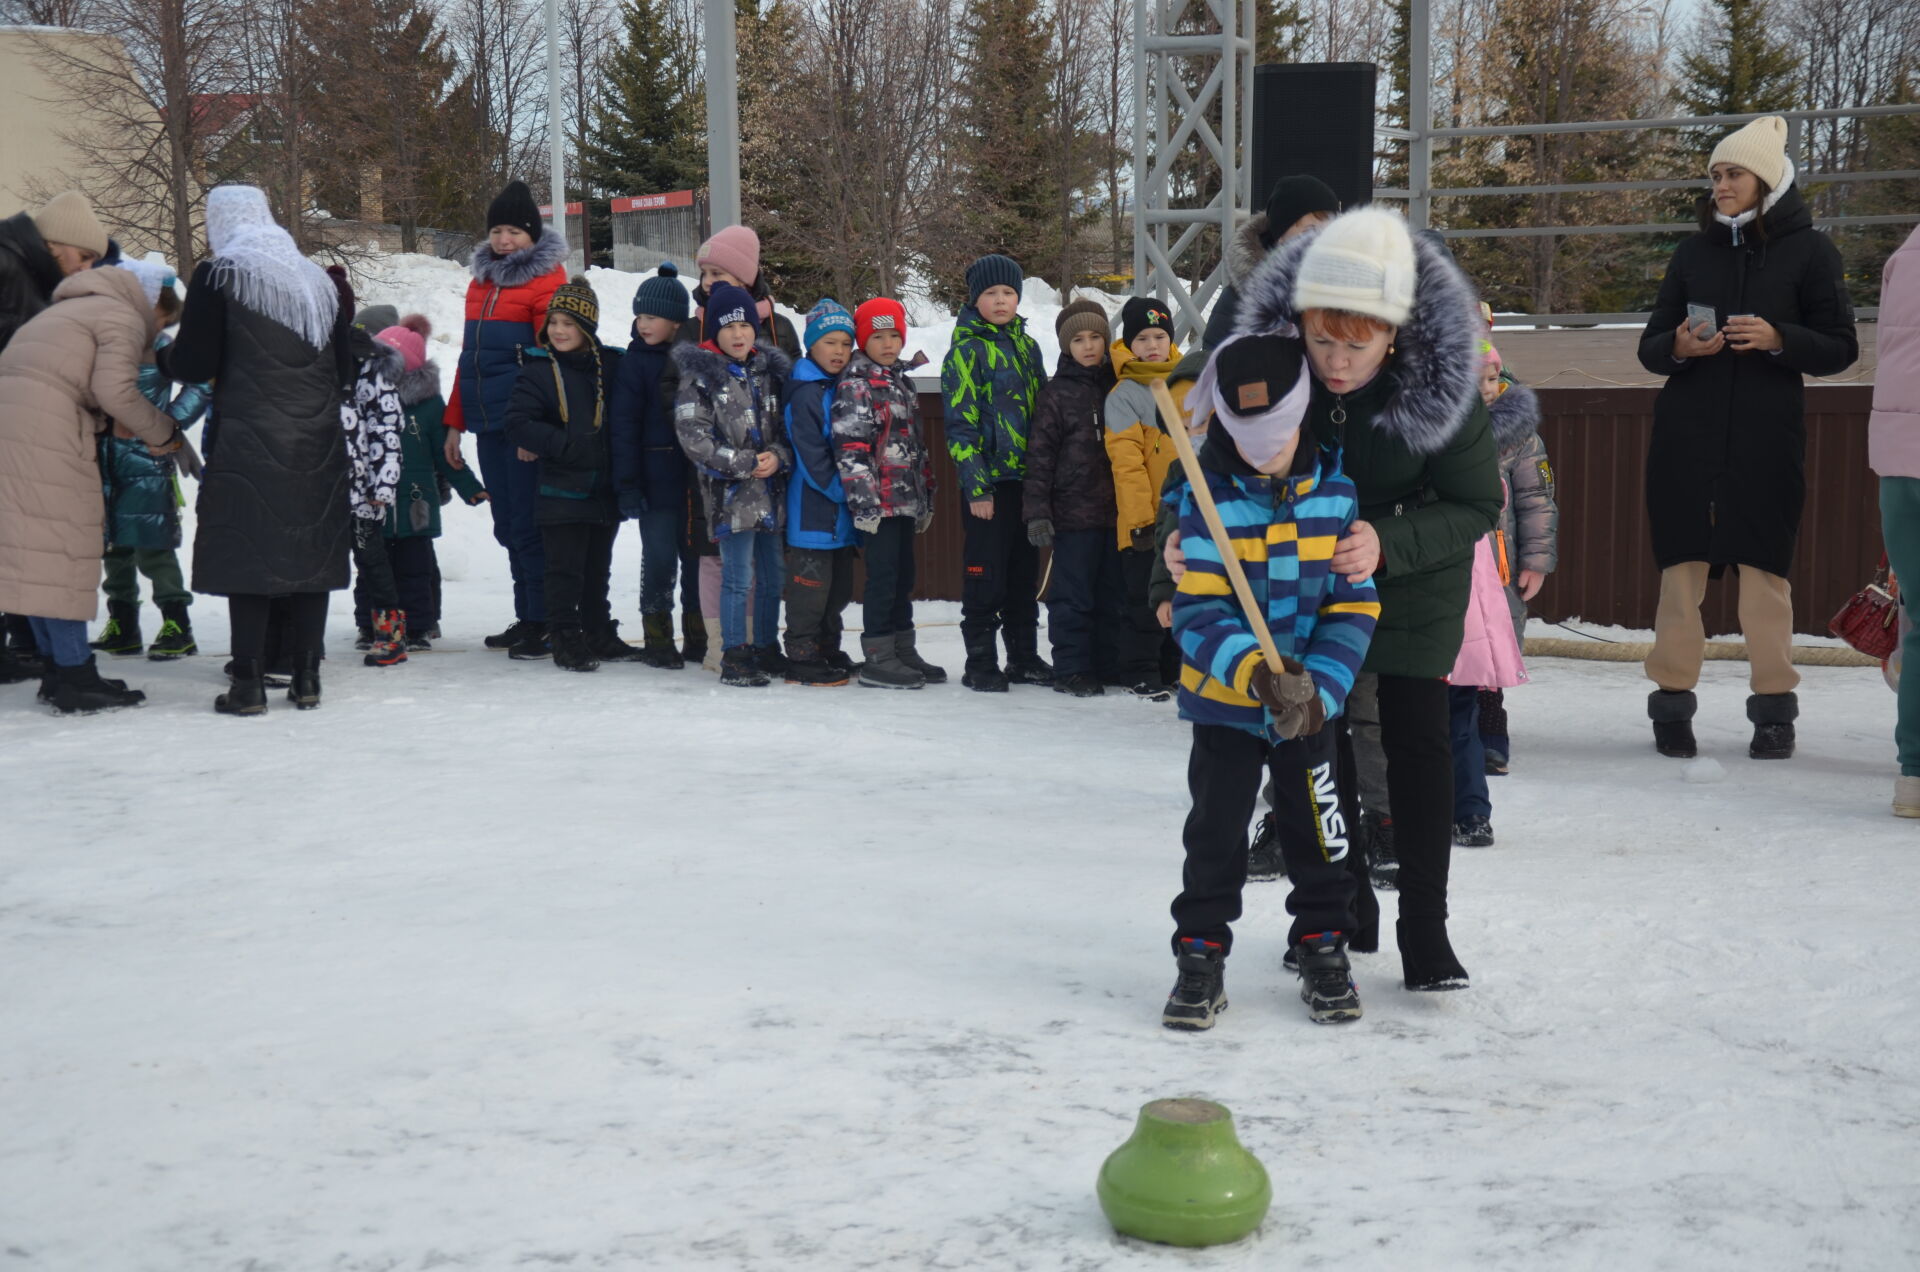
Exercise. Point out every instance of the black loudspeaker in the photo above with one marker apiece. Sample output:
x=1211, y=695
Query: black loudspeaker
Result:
x=1316, y=118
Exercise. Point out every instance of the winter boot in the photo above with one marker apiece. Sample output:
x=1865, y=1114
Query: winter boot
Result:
x=807, y=665
x=514, y=634
x=81, y=691
x=573, y=651
x=1264, y=863
x=1473, y=831
x=1671, y=711
x=14, y=669
x=883, y=668
x=1383, y=865
x=389, y=648
x=693, y=638
x=1201, y=992
x=532, y=645
x=1772, y=716
x=835, y=658
x=983, y=674
x=1427, y=959
x=1906, y=796
x=121, y=636
x=1326, y=978
x=419, y=642
x=903, y=649
x=366, y=639
x=1024, y=664
x=304, y=692
x=176, y=635
x=608, y=646
x=659, y=650
x=769, y=659
x=740, y=669
x=1079, y=685
x=247, y=696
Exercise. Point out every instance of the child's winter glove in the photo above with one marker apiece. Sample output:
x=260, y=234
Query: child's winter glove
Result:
x=921, y=522
x=633, y=504
x=1143, y=538
x=1291, y=696
x=1040, y=532
x=867, y=525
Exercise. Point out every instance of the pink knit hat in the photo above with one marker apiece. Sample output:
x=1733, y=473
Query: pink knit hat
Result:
x=735, y=249
x=410, y=339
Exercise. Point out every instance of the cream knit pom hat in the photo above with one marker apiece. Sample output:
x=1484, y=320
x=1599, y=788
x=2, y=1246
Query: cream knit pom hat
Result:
x=1760, y=148
x=1361, y=262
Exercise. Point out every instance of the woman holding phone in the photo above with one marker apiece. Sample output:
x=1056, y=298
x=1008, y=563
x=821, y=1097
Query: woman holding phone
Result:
x=1752, y=303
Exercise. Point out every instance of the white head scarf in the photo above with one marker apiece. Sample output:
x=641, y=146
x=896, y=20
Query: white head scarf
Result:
x=263, y=269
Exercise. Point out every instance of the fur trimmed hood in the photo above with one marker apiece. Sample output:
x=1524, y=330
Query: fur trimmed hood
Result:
x=1515, y=413
x=703, y=364
x=1247, y=249
x=520, y=268
x=419, y=384
x=1436, y=361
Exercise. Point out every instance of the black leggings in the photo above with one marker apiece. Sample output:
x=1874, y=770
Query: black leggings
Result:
x=306, y=626
x=1415, y=732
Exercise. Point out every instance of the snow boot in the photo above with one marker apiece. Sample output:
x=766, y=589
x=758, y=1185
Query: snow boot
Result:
x=1024, y=664
x=247, y=696
x=740, y=669
x=389, y=648
x=419, y=642
x=1383, y=865
x=658, y=650
x=366, y=639
x=693, y=638
x=1326, y=978
x=1264, y=862
x=608, y=646
x=573, y=650
x=176, y=635
x=883, y=668
x=1427, y=960
x=1201, y=992
x=904, y=650
x=836, y=658
x=1906, y=796
x=1671, y=711
x=1151, y=691
x=16, y=670
x=81, y=691
x=1079, y=685
x=807, y=665
x=1473, y=831
x=770, y=660
x=532, y=645
x=121, y=636
x=515, y=633
x=304, y=692
x=1772, y=716
x=982, y=674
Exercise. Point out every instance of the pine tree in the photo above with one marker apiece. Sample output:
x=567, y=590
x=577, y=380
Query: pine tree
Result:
x=1735, y=69
x=639, y=140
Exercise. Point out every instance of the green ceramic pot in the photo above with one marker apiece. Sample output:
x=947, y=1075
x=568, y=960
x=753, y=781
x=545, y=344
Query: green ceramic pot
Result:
x=1183, y=1178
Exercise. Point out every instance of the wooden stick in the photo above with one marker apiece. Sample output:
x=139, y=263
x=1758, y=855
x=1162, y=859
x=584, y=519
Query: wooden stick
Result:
x=1203, y=495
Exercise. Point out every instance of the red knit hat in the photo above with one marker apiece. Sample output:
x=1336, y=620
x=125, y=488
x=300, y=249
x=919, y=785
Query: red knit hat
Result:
x=879, y=314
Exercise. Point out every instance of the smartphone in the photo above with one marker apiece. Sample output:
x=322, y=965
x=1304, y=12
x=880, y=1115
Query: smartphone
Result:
x=1700, y=318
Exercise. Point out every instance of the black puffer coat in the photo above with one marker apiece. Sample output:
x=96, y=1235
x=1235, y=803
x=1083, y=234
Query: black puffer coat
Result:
x=1726, y=470
x=1069, y=479
x=273, y=515
x=28, y=274
x=571, y=434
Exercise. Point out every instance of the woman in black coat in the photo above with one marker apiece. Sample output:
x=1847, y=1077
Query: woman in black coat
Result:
x=1726, y=471
x=266, y=326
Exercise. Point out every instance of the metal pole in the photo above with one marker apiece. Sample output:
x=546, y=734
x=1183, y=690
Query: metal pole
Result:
x=1420, y=113
x=556, y=132
x=723, y=117
x=1140, y=160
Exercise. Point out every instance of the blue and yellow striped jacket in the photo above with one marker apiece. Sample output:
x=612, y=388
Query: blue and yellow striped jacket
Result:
x=1283, y=530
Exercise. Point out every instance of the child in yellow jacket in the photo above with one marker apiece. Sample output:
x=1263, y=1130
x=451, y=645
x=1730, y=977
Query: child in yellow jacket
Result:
x=1141, y=452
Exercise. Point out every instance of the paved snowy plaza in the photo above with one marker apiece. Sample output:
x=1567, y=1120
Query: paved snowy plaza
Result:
x=485, y=965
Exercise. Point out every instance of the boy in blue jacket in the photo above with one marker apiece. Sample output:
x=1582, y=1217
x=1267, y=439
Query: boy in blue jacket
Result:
x=1284, y=505
x=820, y=539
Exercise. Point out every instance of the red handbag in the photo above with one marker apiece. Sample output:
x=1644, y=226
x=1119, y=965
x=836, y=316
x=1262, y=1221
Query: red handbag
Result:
x=1870, y=620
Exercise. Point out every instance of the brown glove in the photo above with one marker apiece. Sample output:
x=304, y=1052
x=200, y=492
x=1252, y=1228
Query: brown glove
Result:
x=1291, y=696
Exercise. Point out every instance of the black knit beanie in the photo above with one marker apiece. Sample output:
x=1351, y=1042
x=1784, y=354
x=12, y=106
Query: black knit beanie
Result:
x=515, y=206
x=1295, y=197
x=1141, y=313
x=1254, y=372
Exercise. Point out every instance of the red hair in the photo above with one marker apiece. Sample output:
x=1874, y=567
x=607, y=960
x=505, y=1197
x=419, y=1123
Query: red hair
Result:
x=1341, y=325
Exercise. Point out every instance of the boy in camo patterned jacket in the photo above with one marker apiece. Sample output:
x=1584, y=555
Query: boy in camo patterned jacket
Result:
x=990, y=382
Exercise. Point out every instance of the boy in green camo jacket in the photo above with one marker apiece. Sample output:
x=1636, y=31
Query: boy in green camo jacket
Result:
x=990, y=381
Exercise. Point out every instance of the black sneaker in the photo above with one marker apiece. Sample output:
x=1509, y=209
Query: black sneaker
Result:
x=1151, y=691
x=1264, y=863
x=608, y=645
x=1383, y=864
x=1326, y=978
x=1079, y=685
x=1473, y=832
x=508, y=639
x=420, y=644
x=532, y=644
x=1028, y=669
x=1201, y=992
x=365, y=640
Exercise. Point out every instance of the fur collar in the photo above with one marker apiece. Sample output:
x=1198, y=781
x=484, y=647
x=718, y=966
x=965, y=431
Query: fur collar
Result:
x=419, y=384
x=710, y=368
x=1515, y=413
x=1246, y=249
x=548, y=253
x=1436, y=361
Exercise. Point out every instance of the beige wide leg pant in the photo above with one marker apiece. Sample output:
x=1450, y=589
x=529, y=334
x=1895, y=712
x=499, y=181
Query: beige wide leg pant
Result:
x=1680, y=639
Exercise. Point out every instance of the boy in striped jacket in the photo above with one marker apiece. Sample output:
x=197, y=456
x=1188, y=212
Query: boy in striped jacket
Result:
x=1284, y=504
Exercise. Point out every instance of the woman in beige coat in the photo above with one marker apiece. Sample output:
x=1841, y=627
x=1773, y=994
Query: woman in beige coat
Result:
x=68, y=375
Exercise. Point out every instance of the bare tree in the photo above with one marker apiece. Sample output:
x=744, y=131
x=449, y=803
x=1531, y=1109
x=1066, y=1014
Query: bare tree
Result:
x=502, y=49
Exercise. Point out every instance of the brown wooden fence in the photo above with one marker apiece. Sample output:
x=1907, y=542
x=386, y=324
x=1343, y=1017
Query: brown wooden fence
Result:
x=1597, y=441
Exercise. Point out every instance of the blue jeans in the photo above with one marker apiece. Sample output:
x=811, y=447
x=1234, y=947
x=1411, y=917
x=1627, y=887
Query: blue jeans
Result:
x=513, y=487
x=751, y=559
x=662, y=551
x=1900, y=528
x=62, y=639
x=1470, y=798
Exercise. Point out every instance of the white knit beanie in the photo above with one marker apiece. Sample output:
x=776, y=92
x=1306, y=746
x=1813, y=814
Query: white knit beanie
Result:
x=1361, y=262
x=1760, y=148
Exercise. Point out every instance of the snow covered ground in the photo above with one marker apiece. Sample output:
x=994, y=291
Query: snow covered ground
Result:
x=486, y=966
